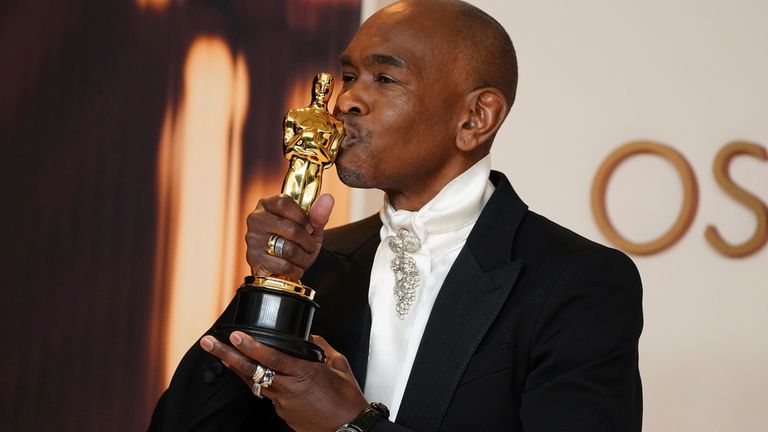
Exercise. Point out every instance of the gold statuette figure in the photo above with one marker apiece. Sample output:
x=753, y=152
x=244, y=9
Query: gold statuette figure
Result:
x=311, y=139
x=273, y=309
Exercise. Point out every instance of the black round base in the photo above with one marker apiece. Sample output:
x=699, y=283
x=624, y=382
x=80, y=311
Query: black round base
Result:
x=293, y=346
x=276, y=318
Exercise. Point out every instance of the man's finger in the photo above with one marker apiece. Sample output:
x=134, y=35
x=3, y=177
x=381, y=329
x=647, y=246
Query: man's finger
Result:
x=269, y=357
x=236, y=361
x=281, y=215
x=320, y=213
x=263, y=264
x=334, y=359
x=284, y=206
x=258, y=243
x=291, y=230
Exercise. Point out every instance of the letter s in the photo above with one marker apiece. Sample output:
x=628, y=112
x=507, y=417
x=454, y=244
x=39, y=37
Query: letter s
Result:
x=722, y=176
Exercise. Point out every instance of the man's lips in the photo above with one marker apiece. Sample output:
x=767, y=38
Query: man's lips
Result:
x=351, y=138
x=349, y=141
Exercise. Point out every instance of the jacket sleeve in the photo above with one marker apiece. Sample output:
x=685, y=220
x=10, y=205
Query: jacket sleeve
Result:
x=584, y=354
x=206, y=396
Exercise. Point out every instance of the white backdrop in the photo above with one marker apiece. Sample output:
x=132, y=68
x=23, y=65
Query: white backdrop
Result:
x=595, y=74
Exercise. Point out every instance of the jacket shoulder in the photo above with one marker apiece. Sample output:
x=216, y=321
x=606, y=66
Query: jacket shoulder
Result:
x=541, y=240
x=346, y=239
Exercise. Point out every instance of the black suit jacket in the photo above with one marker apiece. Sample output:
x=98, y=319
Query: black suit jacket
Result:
x=535, y=329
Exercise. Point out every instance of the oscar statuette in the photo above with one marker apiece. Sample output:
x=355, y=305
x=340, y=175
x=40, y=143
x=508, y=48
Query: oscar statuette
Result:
x=272, y=309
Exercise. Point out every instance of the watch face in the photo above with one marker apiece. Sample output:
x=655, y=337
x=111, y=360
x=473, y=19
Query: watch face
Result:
x=381, y=407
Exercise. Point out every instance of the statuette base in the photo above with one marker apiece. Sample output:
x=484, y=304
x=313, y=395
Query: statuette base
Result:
x=277, y=313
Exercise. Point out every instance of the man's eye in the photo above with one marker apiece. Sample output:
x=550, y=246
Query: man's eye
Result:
x=347, y=78
x=383, y=79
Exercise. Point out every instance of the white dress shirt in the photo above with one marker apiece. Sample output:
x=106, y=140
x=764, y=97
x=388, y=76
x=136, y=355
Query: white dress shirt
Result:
x=442, y=226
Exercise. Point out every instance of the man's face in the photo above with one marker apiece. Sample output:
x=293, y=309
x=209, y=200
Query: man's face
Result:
x=399, y=102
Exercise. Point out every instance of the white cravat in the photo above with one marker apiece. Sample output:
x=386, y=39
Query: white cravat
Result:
x=441, y=227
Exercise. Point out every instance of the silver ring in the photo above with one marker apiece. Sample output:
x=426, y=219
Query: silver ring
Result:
x=257, y=376
x=256, y=389
x=269, y=376
x=279, y=243
x=271, y=244
x=262, y=378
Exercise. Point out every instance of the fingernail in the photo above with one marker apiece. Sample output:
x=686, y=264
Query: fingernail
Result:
x=206, y=343
x=235, y=338
x=309, y=228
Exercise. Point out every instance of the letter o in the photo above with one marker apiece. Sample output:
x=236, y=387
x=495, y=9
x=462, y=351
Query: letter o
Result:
x=687, y=212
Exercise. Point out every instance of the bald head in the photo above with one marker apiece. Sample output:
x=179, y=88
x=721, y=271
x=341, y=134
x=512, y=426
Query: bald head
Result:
x=426, y=86
x=478, y=45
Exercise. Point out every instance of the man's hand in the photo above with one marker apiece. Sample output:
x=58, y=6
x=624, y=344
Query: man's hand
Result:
x=303, y=234
x=309, y=396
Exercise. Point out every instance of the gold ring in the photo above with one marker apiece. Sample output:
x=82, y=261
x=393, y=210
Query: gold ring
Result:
x=258, y=374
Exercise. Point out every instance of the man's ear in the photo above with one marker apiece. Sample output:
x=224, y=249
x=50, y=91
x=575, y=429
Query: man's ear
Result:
x=484, y=111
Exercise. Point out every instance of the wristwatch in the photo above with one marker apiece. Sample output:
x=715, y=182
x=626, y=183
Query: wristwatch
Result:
x=365, y=420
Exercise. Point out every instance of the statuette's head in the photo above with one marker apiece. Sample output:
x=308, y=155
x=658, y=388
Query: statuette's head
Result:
x=322, y=87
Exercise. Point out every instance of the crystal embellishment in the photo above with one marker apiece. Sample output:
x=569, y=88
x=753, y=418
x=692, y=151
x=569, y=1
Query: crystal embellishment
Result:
x=404, y=267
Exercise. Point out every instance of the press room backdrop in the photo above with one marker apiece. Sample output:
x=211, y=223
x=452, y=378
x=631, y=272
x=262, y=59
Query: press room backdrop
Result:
x=689, y=75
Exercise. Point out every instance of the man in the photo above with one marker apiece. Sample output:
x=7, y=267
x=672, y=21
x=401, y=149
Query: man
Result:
x=456, y=307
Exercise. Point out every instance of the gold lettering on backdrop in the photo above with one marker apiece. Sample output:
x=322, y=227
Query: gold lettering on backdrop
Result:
x=723, y=178
x=687, y=212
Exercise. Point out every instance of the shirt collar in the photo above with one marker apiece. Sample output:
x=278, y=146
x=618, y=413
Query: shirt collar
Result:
x=457, y=205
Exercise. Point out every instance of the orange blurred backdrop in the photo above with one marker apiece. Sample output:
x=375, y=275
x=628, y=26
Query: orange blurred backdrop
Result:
x=136, y=137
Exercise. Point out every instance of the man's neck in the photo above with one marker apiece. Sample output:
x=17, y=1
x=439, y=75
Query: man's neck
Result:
x=414, y=199
x=411, y=201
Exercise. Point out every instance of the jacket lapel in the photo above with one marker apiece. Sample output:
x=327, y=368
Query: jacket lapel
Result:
x=472, y=295
x=346, y=325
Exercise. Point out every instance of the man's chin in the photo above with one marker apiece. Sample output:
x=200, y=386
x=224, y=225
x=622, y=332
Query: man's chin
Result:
x=352, y=177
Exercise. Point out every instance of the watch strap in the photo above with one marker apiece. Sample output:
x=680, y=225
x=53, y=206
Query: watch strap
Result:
x=365, y=421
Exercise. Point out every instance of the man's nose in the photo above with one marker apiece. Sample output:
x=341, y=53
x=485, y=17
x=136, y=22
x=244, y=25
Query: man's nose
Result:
x=351, y=101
